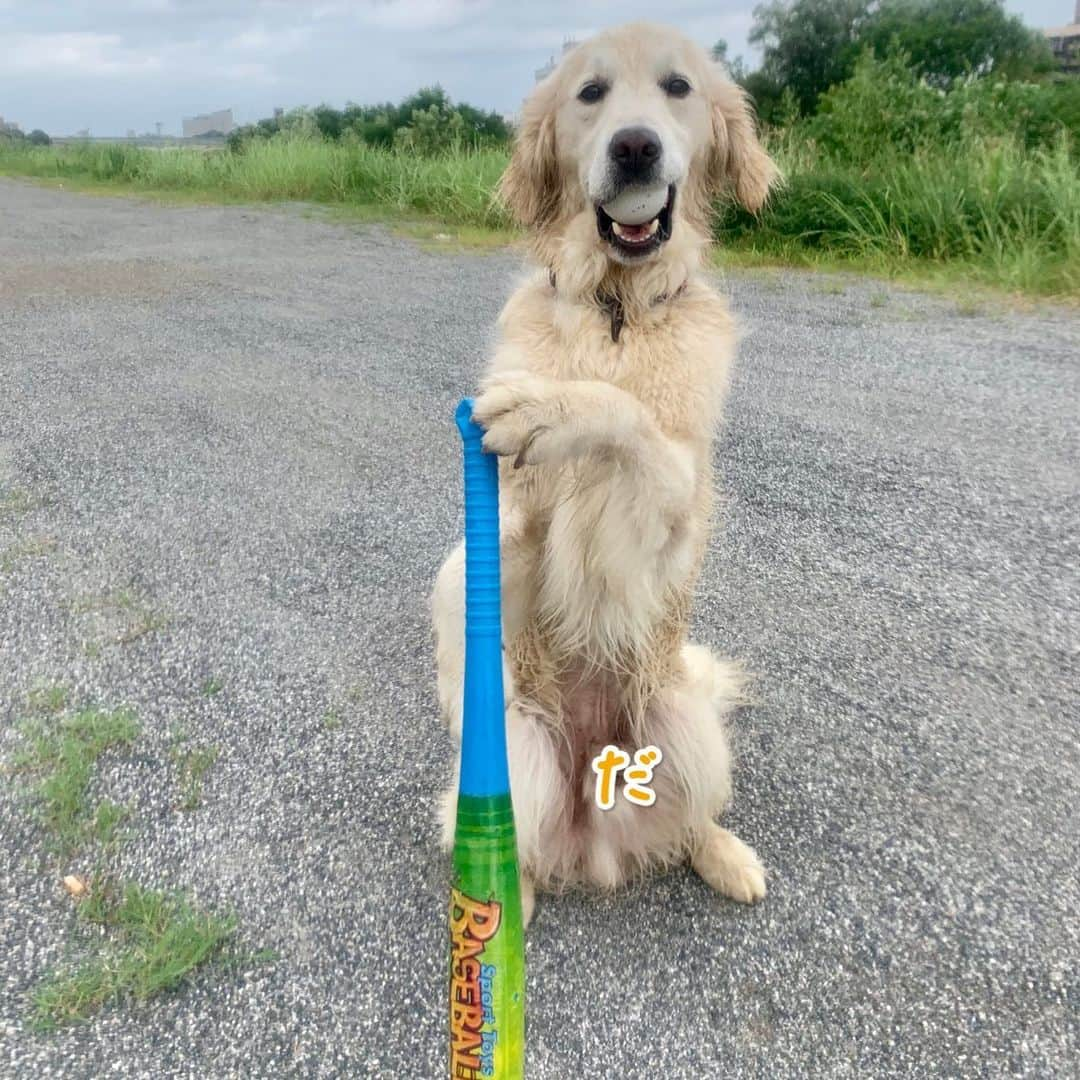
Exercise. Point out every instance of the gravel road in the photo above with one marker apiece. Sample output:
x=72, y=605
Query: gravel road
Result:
x=226, y=437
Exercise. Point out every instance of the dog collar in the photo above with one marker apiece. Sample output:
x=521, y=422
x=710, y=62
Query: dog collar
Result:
x=612, y=305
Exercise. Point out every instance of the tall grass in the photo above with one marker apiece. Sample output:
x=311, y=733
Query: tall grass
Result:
x=984, y=207
x=988, y=208
x=455, y=186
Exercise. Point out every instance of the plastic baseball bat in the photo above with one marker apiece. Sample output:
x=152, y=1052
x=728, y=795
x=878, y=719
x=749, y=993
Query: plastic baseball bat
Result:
x=487, y=947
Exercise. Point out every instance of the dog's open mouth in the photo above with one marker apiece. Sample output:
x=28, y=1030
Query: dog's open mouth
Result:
x=636, y=240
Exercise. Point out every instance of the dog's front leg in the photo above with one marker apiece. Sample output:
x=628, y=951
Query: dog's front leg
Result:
x=620, y=536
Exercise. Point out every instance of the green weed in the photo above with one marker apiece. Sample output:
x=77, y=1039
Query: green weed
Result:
x=47, y=698
x=132, y=618
x=16, y=502
x=63, y=751
x=32, y=548
x=193, y=763
x=155, y=940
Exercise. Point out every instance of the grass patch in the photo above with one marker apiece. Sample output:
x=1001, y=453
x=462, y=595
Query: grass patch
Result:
x=145, y=622
x=16, y=502
x=193, y=763
x=947, y=280
x=212, y=687
x=155, y=940
x=442, y=238
x=63, y=751
x=149, y=941
x=430, y=231
x=120, y=599
x=34, y=548
x=831, y=288
x=331, y=720
x=107, y=820
x=48, y=698
x=132, y=618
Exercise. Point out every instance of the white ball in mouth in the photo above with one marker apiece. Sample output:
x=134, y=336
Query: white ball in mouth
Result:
x=635, y=206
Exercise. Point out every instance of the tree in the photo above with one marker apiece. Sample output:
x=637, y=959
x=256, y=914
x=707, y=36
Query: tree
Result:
x=736, y=68
x=808, y=45
x=431, y=131
x=37, y=137
x=765, y=95
x=948, y=39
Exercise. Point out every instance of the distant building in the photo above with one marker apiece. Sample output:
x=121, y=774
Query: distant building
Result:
x=553, y=63
x=1065, y=44
x=220, y=122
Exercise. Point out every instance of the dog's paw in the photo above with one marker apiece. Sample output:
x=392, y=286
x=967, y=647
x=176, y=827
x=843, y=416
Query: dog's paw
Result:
x=522, y=416
x=746, y=884
x=731, y=867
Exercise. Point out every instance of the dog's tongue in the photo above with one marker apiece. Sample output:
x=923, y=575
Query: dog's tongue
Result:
x=634, y=234
x=634, y=231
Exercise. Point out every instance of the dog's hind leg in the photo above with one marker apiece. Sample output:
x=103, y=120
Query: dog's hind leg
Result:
x=729, y=866
x=719, y=856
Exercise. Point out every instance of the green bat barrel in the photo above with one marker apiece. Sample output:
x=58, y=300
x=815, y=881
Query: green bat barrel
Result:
x=487, y=947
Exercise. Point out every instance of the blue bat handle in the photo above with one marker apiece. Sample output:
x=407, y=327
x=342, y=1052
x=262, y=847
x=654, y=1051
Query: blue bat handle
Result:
x=484, y=769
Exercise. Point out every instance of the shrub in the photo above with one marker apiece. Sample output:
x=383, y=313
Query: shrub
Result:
x=885, y=109
x=883, y=105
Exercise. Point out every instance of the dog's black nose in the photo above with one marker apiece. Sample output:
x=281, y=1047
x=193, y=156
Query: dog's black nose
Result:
x=635, y=150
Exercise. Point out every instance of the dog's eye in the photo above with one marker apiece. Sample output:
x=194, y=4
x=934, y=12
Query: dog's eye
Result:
x=676, y=86
x=592, y=92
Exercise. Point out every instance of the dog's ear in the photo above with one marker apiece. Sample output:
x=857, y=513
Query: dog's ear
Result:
x=738, y=161
x=531, y=186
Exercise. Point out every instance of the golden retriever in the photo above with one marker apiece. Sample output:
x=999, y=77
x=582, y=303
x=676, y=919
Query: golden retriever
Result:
x=601, y=399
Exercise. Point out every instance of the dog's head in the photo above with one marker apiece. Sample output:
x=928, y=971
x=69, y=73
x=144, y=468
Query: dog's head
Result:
x=628, y=141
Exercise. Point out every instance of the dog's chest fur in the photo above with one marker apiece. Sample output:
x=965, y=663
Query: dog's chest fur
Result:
x=673, y=357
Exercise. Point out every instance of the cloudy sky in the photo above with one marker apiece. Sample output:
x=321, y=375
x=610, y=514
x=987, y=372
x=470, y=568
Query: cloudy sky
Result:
x=111, y=65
